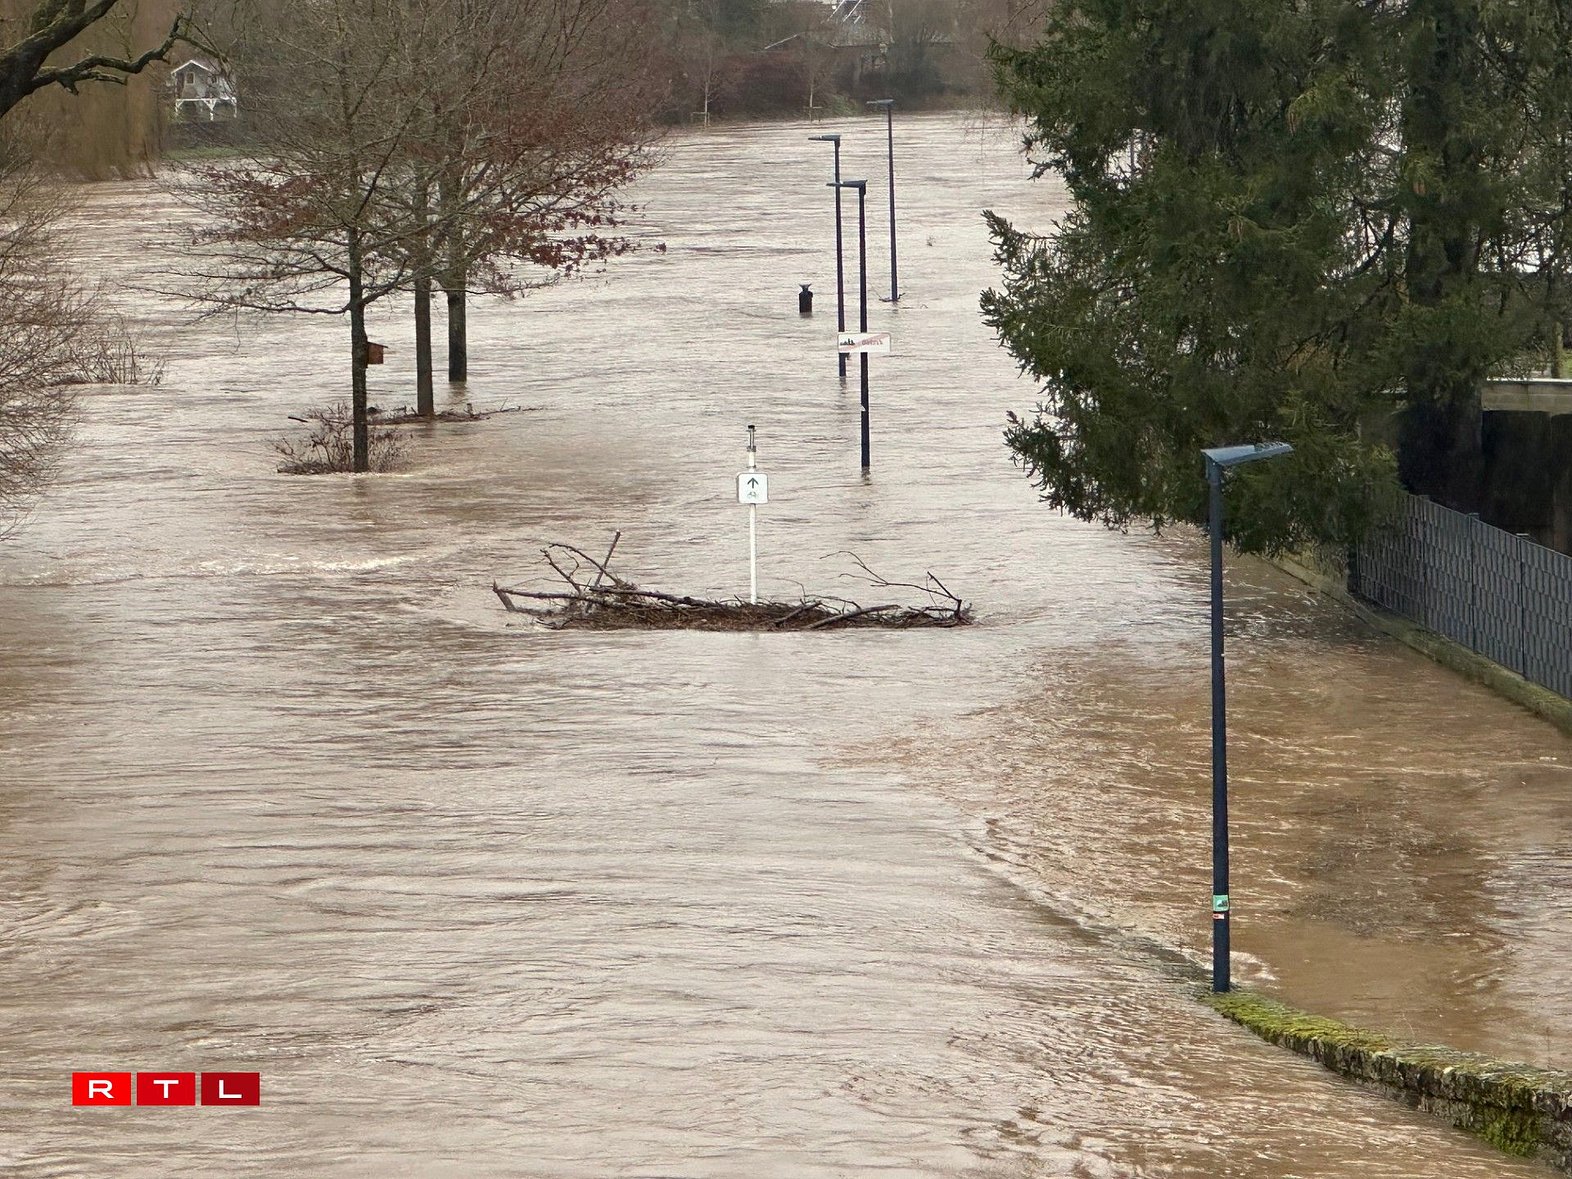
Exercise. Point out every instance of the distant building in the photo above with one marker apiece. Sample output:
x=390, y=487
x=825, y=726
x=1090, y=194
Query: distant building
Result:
x=203, y=93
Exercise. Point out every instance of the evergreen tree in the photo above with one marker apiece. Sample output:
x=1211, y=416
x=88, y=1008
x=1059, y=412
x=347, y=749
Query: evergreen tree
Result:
x=1287, y=221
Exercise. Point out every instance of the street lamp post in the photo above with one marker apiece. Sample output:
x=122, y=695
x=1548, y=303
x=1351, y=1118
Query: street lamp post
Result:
x=889, y=128
x=840, y=267
x=1218, y=460
x=862, y=279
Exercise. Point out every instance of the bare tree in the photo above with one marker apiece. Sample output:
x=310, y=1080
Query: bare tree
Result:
x=705, y=39
x=538, y=112
x=49, y=324
x=401, y=142
x=32, y=33
x=806, y=31
x=814, y=50
x=704, y=57
x=54, y=333
x=312, y=224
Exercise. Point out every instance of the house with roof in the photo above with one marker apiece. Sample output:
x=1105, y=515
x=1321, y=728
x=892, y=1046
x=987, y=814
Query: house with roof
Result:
x=202, y=92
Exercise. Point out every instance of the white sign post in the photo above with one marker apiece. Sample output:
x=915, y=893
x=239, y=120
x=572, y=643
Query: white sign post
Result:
x=753, y=489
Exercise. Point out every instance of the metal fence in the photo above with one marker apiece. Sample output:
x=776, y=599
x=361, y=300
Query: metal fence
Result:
x=1496, y=593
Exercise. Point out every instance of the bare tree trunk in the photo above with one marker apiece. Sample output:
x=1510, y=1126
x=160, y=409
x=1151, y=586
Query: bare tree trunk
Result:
x=359, y=347
x=425, y=399
x=458, y=335
x=455, y=280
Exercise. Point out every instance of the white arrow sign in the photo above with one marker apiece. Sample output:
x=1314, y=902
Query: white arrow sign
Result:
x=865, y=342
x=753, y=487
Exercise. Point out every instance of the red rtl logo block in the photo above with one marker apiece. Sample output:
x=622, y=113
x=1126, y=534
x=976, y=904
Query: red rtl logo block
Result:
x=166, y=1088
x=231, y=1088
x=100, y=1088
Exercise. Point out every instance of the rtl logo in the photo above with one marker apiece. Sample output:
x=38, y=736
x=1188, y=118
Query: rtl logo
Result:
x=166, y=1088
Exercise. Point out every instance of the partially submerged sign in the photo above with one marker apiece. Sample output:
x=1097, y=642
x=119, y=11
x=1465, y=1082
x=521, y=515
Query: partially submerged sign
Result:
x=865, y=342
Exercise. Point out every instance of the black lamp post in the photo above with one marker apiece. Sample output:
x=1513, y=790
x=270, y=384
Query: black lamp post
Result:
x=1218, y=460
x=862, y=279
x=840, y=268
x=889, y=126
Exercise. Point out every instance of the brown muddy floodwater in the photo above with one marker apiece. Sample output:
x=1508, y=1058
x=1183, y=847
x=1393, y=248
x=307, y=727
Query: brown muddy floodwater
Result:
x=283, y=790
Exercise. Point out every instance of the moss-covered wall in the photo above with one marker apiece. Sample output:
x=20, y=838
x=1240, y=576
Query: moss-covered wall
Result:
x=1522, y=1110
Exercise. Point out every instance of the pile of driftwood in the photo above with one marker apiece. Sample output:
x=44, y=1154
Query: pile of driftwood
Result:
x=409, y=416
x=595, y=598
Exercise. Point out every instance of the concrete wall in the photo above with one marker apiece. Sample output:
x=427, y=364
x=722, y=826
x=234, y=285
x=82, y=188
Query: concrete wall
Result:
x=1525, y=440
x=1521, y=1110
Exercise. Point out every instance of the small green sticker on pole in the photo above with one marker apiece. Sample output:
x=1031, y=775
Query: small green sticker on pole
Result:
x=1220, y=903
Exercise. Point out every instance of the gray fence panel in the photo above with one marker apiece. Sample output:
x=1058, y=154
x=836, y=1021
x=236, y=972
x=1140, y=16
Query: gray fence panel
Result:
x=1547, y=609
x=1498, y=594
x=1497, y=577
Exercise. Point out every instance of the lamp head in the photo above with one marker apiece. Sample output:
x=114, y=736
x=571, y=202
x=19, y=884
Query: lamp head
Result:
x=831, y=138
x=1234, y=456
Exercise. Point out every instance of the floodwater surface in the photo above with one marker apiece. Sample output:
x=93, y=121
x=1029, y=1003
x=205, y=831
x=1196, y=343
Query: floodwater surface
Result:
x=283, y=789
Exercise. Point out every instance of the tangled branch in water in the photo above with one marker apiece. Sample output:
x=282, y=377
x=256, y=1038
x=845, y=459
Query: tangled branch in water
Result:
x=597, y=598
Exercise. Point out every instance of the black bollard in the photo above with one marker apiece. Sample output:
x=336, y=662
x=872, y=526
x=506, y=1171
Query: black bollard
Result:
x=805, y=301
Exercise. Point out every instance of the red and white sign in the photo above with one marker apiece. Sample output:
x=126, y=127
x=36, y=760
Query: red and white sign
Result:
x=230, y=1089
x=865, y=342
x=100, y=1088
x=166, y=1088
x=108, y=1088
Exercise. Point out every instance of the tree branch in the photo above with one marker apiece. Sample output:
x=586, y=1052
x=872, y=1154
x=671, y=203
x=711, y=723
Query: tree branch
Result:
x=21, y=66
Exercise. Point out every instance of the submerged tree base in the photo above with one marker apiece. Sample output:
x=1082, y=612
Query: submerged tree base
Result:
x=329, y=449
x=598, y=599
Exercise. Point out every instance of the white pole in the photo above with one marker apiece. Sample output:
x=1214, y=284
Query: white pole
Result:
x=753, y=530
